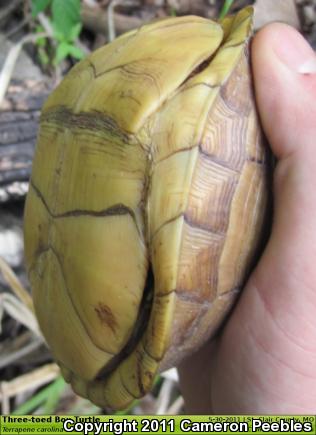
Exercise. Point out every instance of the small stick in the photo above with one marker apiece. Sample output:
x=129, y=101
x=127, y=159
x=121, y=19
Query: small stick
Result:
x=32, y=380
x=164, y=396
x=111, y=26
x=175, y=408
x=9, y=359
x=9, y=64
x=15, y=285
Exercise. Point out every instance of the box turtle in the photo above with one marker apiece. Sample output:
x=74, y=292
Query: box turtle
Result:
x=146, y=202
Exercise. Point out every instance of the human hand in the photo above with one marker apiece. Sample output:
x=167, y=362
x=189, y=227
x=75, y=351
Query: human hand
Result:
x=264, y=361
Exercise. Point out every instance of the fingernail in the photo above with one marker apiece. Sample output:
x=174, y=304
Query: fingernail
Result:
x=309, y=67
x=295, y=52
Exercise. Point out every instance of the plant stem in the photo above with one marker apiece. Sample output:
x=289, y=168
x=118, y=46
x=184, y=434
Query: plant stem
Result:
x=225, y=8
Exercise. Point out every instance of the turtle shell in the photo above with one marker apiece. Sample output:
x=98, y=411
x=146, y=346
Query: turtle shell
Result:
x=146, y=202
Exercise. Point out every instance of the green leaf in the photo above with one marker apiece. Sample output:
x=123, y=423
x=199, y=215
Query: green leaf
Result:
x=225, y=8
x=35, y=401
x=74, y=32
x=59, y=36
x=61, y=52
x=65, y=49
x=66, y=16
x=53, y=398
x=38, y=6
x=76, y=52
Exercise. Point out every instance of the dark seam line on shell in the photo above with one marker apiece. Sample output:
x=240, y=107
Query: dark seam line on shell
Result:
x=127, y=389
x=233, y=290
x=139, y=375
x=51, y=248
x=212, y=157
x=181, y=150
x=217, y=161
x=156, y=359
x=190, y=223
x=130, y=97
x=114, y=210
x=83, y=383
x=114, y=54
x=92, y=66
x=92, y=120
x=234, y=28
x=146, y=75
x=246, y=18
x=90, y=387
x=90, y=391
x=63, y=368
x=162, y=295
x=142, y=204
x=235, y=45
x=195, y=323
x=186, y=88
x=186, y=296
x=114, y=68
x=254, y=160
x=70, y=376
x=121, y=66
x=141, y=145
x=174, y=218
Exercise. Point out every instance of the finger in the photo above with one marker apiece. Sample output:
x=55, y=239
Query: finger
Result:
x=285, y=84
x=284, y=67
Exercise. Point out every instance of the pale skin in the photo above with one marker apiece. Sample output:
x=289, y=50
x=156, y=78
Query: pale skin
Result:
x=264, y=361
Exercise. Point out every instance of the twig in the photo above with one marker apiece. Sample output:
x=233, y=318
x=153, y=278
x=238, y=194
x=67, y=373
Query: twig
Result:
x=18, y=27
x=45, y=23
x=111, y=26
x=164, y=397
x=5, y=401
x=91, y=3
x=96, y=20
x=175, y=408
x=20, y=353
x=15, y=285
x=9, y=64
x=29, y=381
x=171, y=374
x=19, y=311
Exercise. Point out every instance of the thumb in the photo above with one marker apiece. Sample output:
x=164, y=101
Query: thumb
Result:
x=285, y=85
x=285, y=81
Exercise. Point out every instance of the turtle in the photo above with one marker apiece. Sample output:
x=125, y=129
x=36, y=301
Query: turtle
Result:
x=147, y=202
